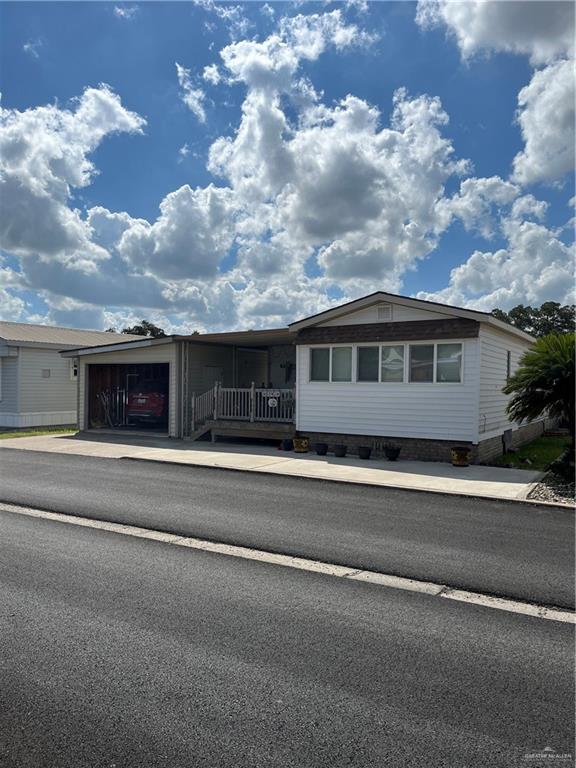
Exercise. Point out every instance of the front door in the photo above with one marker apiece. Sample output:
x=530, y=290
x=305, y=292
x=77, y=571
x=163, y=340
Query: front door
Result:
x=252, y=367
x=210, y=375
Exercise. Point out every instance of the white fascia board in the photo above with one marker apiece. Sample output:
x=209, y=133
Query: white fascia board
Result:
x=120, y=347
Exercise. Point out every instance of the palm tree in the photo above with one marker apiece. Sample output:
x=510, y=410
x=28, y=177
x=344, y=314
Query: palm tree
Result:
x=544, y=383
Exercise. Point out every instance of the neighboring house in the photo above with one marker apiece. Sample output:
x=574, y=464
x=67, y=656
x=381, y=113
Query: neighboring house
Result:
x=381, y=369
x=37, y=386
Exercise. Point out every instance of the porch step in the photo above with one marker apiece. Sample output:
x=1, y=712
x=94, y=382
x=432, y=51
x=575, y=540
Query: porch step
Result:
x=261, y=430
x=198, y=433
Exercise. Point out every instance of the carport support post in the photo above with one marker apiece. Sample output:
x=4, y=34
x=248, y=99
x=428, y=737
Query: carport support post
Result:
x=252, y=400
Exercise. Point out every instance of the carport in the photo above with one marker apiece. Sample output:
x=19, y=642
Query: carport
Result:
x=128, y=387
x=133, y=396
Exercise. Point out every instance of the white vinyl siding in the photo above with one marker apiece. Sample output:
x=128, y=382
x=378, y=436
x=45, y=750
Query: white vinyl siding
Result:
x=41, y=392
x=499, y=351
x=371, y=314
x=443, y=411
x=161, y=353
x=9, y=374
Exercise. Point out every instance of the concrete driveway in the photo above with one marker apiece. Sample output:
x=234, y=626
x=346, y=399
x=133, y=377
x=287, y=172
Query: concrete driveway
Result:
x=479, y=481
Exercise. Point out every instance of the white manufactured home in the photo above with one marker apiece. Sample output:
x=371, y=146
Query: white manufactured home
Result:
x=383, y=369
x=38, y=386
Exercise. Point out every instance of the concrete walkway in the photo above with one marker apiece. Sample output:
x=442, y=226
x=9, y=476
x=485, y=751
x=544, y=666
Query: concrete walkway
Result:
x=489, y=482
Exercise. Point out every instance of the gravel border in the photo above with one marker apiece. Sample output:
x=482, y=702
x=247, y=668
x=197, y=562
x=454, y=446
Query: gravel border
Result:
x=553, y=488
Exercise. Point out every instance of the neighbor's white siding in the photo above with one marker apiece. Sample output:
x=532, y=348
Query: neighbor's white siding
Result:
x=30, y=399
x=8, y=386
x=55, y=393
x=434, y=411
x=495, y=345
x=399, y=314
x=161, y=353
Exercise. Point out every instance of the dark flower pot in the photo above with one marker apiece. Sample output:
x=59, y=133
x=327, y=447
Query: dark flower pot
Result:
x=460, y=456
x=392, y=452
x=364, y=452
x=287, y=445
x=321, y=449
x=340, y=451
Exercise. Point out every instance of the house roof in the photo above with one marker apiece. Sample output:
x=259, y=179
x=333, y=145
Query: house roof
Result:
x=379, y=296
x=52, y=336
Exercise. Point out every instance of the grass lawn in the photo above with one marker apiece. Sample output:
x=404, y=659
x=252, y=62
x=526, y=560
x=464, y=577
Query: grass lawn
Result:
x=541, y=453
x=38, y=431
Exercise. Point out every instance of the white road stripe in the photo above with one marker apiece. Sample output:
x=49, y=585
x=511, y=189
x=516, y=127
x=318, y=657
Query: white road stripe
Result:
x=329, y=569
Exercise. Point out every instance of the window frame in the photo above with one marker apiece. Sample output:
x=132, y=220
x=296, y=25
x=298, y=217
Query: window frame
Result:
x=355, y=346
x=432, y=344
x=367, y=345
x=405, y=371
x=436, y=345
x=351, y=347
x=319, y=381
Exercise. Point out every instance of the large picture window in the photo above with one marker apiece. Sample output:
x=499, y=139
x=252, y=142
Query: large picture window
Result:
x=393, y=363
x=449, y=363
x=320, y=364
x=368, y=363
x=341, y=363
x=439, y=363
x=421, y=362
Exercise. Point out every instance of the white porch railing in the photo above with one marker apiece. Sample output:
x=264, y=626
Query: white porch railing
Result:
x=203, y=408
x=243, y=404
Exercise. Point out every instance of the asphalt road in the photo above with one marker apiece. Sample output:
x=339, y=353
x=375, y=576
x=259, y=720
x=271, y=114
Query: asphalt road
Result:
x=514, y=550
x=119, y=652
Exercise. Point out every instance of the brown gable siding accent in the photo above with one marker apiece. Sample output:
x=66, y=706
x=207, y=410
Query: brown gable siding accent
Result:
x=410, y=330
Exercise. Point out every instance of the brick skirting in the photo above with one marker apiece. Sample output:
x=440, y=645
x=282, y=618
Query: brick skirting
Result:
x=493, y=447
x=418, y=449
x=412, y=448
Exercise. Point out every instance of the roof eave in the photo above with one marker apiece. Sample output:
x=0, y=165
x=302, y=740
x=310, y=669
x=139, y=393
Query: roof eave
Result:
x=146, y=341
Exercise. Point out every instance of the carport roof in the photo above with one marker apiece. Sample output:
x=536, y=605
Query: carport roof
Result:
x=262, y=338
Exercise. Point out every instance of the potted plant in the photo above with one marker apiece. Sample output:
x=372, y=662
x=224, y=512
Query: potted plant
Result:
x=321, y=449
x=392, y=452
x=287, y=445
x=301, y=444
x=340, y=451
x=460, y=455
x=364, y=451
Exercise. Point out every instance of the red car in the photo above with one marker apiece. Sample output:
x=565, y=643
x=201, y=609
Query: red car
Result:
x=147, y=402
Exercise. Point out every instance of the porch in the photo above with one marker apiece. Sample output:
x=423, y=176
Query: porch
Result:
x=243, y=412
x=239, y=384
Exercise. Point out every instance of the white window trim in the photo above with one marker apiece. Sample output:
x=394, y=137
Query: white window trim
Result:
x=330, y=347
x=406, y=379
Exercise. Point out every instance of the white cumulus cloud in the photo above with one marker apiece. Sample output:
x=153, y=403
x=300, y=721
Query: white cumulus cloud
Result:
x=546, y=118
x=541, y=29
x=192, y=96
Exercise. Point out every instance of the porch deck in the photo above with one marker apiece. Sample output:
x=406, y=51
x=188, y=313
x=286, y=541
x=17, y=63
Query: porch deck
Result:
x=259, y=430
x=243, y=412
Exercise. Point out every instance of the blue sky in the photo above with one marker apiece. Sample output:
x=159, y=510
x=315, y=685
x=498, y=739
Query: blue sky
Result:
x=238, y=254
